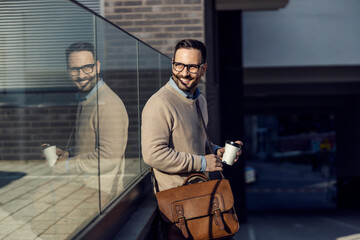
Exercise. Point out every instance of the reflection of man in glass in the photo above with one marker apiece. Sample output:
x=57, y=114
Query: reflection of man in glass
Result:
x=101, y=126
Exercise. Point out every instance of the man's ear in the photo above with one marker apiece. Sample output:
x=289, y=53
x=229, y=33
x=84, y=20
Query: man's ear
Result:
x=98, y=67
x=203, y=70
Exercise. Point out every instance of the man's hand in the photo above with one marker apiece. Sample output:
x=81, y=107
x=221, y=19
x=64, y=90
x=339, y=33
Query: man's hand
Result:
x=213, y=163
x=59, y=167
x=220, y=151
x=62, y=153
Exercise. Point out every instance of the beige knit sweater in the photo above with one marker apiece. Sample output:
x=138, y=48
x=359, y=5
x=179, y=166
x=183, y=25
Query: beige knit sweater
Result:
x=172, y=136
x=101, y=135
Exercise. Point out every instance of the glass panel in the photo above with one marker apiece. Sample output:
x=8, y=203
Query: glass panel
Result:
x=38, y=106
x=48, y=98
x=119, y=115
x=165, y=69
x=149, y=76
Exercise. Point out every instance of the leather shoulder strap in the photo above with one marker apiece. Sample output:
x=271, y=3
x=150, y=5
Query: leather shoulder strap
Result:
x=204, y=125
x=207, y=135
x=153, y=178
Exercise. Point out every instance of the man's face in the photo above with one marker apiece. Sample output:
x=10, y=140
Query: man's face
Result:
x=83, y=70
x=184, y=79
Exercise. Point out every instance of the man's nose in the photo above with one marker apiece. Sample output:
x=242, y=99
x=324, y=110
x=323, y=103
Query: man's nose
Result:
x=81, y=73
x=185, y=71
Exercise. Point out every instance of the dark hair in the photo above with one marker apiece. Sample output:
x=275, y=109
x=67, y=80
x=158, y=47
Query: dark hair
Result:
x=78, y=47
x=192, y=43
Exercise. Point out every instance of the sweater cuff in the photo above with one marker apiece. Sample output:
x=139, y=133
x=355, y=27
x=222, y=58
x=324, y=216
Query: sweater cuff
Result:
x=71, y=151
x=203, y=164
x=215, y=148
x=67, y=170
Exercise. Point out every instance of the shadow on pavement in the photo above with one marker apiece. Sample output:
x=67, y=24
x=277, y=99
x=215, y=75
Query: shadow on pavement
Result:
x=8, y=177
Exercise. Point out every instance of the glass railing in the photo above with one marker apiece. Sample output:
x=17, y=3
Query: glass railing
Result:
x=87, y=103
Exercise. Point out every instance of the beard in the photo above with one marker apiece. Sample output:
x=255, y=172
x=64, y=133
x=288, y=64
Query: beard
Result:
x=90, y=84
x=193, y=82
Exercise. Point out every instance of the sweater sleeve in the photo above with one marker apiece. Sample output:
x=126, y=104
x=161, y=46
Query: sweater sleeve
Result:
x=156, y=130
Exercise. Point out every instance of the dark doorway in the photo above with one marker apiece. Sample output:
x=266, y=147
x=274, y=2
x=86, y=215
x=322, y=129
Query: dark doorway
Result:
x=292, y=157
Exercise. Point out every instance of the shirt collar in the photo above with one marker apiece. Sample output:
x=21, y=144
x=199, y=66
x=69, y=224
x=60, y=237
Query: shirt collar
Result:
x=186, y=94
x=82, y=97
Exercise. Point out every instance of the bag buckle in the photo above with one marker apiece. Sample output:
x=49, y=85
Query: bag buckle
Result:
x=217, y=214
x=181, y=218
x=217, y=209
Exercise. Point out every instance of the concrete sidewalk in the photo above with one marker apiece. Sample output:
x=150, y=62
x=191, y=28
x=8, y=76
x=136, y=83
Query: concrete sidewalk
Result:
x=325, y=224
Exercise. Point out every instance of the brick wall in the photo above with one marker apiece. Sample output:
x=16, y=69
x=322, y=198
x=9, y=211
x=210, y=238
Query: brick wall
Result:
x=159, y=23
x=24, y=129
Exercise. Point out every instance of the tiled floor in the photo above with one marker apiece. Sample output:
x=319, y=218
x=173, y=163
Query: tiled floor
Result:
x=35, y=204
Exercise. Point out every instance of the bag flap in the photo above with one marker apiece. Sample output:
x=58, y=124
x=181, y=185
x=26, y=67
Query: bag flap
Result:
x=197, y=206
x=195, y=199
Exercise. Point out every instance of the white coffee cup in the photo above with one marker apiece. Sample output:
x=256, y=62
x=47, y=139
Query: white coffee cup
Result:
x=231, y=148
x=50, y=154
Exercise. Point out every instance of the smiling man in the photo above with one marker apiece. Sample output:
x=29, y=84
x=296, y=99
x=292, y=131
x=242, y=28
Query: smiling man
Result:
x=101, y=128
x=83, y=70
x=173, y=137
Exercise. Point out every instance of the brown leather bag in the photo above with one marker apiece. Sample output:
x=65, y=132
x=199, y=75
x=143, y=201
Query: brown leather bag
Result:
x=198, y=211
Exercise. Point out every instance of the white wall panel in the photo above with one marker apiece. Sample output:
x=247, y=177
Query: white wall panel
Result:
x=305, y=33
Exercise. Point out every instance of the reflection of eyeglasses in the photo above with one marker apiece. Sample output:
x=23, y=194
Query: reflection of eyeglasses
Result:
x=89, y=68
x=192, y=68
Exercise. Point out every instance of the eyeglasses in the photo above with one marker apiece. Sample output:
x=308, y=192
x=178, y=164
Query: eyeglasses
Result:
x=88, y=68
x=192, y=68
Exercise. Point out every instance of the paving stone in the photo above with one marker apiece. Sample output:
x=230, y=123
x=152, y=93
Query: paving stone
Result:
x=3, y=214
x=25, y=233
x=61, y=229
x=41, y=224
x=52, y=237
x=41, y=205
x=6, y=228
x=51, y=215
